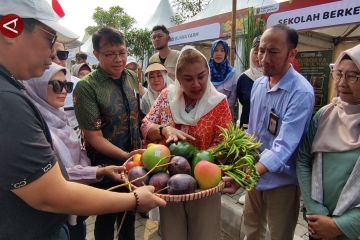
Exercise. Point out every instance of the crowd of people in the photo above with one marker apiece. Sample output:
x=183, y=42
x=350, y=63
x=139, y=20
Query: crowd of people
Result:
x=67, y=132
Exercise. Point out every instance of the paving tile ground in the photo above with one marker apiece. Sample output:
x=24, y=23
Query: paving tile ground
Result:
x=146, y=229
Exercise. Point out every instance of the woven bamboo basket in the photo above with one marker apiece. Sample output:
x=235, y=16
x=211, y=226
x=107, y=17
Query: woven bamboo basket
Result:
x=192, y=196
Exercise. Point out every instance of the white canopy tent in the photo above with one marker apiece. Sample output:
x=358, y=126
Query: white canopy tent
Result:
x=161, y=16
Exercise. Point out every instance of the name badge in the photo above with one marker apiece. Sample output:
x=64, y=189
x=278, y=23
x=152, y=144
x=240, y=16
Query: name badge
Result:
x=273, y=123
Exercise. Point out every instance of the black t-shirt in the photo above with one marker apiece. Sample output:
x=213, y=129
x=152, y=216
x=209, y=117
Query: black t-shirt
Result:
x=25, y=155
x=243, y=92
x=162, y=60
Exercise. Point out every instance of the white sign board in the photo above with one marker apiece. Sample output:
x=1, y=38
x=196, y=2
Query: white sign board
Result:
x=324, y=15
x=206, y=32
x=267, y=9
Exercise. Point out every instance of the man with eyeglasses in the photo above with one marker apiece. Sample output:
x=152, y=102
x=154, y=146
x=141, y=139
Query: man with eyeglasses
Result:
x=36, y=198
x=166, y=56
x=107, y=110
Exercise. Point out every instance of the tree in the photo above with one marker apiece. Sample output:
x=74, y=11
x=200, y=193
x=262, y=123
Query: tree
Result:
x=116, y=17
x=185, y=9
x=253, y=26
x=139, y=43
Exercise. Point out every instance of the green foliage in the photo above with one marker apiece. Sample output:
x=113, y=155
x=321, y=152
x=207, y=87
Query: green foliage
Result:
x=238, y=152
x=186, y=9
x=139, y=42
x=115, y=17
x=253, y=26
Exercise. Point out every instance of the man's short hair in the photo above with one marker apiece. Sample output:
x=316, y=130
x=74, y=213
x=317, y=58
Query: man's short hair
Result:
x=292, y=35
x=160, y=27
x=29, y=24
x=81, y=55
x=111, y=35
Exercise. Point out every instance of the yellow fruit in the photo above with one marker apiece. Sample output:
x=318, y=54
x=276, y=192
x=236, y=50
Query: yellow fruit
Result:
x=137, y=160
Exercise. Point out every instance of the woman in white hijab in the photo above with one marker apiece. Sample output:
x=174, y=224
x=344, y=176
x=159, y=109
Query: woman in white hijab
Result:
x=48, y=93
x=328, y=166
x=157, y=78
x=246, y=81
x=191, y=109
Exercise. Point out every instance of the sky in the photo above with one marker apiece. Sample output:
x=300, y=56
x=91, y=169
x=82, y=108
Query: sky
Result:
x=78, y=13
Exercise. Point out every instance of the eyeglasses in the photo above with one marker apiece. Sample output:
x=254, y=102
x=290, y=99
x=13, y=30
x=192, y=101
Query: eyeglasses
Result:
x=62, y=55
x=350, y=77
x=113, y=55
x=58, y=86
x=52, y=38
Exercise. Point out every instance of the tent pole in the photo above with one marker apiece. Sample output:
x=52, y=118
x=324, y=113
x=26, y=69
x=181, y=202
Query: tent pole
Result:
x=233, y=34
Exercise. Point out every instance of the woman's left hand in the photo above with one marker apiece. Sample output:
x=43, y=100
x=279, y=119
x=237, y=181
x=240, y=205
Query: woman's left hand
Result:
x=230, y=185
x=323, y=226
x=172, y=134
x=111, y=171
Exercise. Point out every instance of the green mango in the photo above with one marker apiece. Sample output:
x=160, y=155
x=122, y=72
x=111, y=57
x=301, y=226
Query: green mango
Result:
x=183, y=149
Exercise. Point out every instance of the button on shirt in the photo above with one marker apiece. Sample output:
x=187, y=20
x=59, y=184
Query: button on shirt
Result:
x=292, y=100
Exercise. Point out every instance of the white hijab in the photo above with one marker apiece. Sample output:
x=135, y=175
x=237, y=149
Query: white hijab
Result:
x=150, y=95
x=208, y=101
x=65, y=141
x=253, y=72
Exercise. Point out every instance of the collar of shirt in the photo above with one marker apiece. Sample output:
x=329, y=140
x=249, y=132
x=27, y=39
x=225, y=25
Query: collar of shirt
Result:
x=10, y=78
x=285, y=83
x=104, y=76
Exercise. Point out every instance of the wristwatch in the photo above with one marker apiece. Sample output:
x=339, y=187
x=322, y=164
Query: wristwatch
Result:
x=161, y=127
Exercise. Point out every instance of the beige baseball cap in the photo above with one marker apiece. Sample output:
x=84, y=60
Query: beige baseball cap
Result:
x=155, y=67
x=40, y=10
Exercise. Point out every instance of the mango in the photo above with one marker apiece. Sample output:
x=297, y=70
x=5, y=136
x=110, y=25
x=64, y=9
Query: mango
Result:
x=156, y=153
x=207, y=174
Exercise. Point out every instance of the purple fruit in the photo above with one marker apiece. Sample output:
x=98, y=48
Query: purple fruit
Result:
x=137, y=172
x=181, y=184
x=179, y=165
x=159, y=181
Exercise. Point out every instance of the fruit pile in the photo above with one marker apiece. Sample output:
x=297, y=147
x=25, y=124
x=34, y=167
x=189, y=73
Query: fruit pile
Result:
x=179, y=169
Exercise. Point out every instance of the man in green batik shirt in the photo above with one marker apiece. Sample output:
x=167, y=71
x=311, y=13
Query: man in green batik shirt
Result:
x=106, y=108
